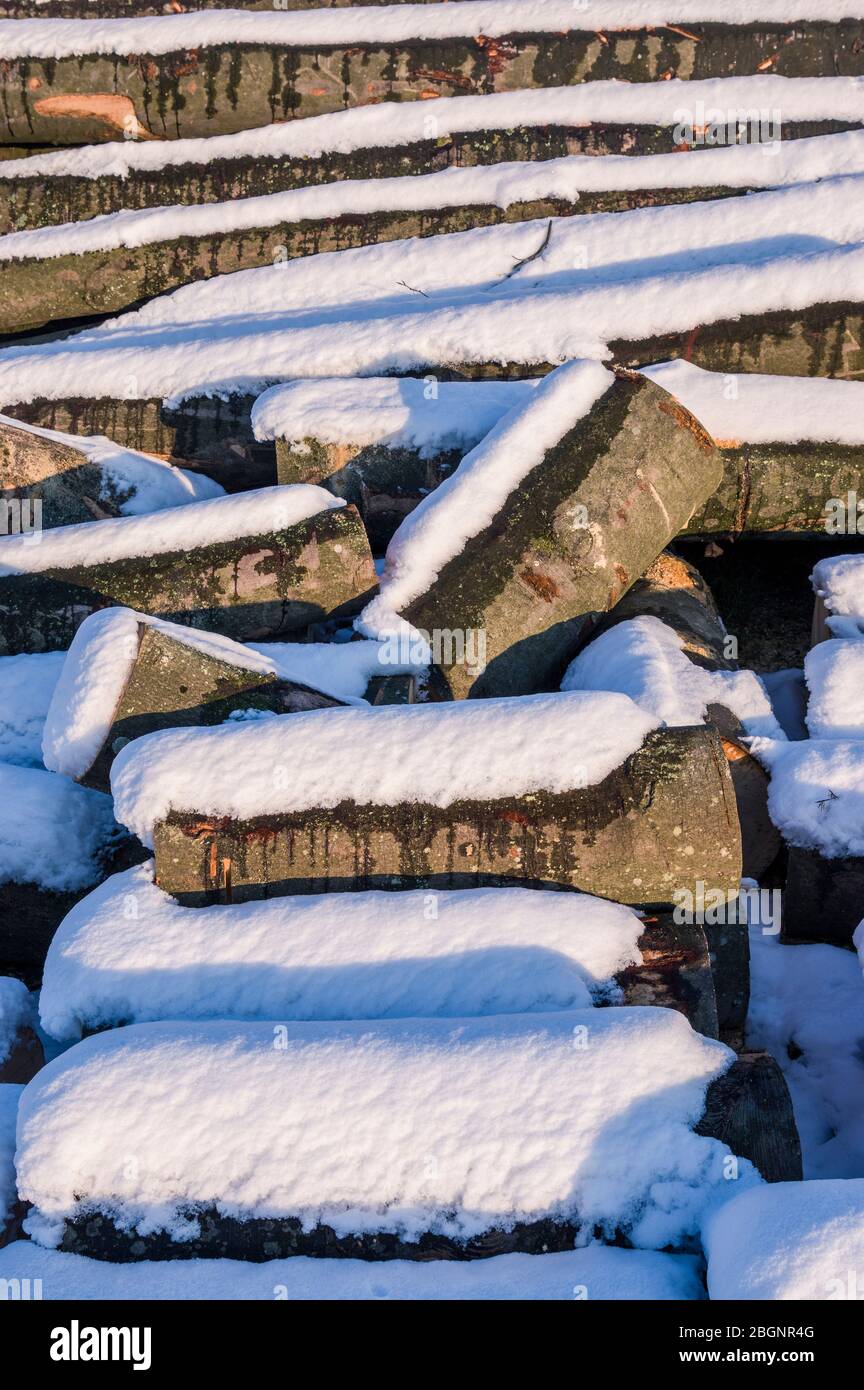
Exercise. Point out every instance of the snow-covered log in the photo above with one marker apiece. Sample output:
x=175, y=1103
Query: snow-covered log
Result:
x=199, y=74
x=78, y=479
x=605, y=120
x=263, y=1139
x=21, y=1053
x=545, y=523
x=570, y=790
x=127, y=674
x=254, y=565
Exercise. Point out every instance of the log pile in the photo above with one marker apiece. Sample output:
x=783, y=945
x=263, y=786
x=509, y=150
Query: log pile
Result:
x=373, y=567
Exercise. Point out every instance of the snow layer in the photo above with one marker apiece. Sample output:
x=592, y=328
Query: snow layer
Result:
x=579, y=1114
x=16, y=1012
x=816, y=794
x=500, y=185
x=129, y=953
x=788, y=1241
x=469, y=500
x=26, y=686
x=182, y=529
x=382, y=25
x=153, y=483
x=597, y=1273
x=52, y=832
x=643, y=658
x=834, y=671
x=839, y=581
x=398, y=753
x=341, y=669
x=99, y=663
x=397, y=414
x=9, y=1098
x=392, y=124
x=748, y=408
x=216, y=357
x=806, y=1005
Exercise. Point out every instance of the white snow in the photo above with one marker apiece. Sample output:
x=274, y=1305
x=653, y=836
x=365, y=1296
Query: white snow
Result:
x=341, y=669
x=212, y=522
x=816, y=793
x=464, y=504
x=99, y=663
x=397, y=124
x=377, y=756
x=834, y=671
x=52, y=832
x=643, y=658
x=595, y=1273
x=839, y=581
x=153, y=483
x=395, y=414
x=129, y=954
x=26, y=686
x=9, y=1098
x=500, y=185
x=806, y=1006
x=382, y=25
x=16, y=1012
x=796, y=1241
x=231, y=353
x=749, y=408
x=453, y=1126
x=788, y=695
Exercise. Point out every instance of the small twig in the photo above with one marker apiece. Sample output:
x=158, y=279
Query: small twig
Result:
x=826, y=801
x=534, y=254
x=412, y=289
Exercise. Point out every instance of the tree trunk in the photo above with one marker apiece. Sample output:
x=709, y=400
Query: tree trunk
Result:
x=664, y=820
x=250, y=589
x=173, y=685
x=749, y=1108
x=823, y=899
x=221, y=88
x=636, y=467
x=675, y=973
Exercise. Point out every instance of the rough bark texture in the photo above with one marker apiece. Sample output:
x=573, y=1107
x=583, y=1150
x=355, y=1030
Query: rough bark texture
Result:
x=69, y=486
x=639, y=464
x=173, y=685
x=209, y=434
x=729, y=950
x=226, y=88
x=823, y=898
x=24, y=1060
x=34, y=292
x=249, y=589
x=676, y=973
x=663, y=820
x=27, y=201
x=749, y=1108
x=676, y=593
x=779, y=487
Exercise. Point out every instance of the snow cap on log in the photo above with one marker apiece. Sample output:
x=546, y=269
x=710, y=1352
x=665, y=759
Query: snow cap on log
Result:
x=358, y=955
x=252, y=1121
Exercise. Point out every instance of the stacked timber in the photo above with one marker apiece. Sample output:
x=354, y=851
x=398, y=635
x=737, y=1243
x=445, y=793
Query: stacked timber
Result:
x=388, y=774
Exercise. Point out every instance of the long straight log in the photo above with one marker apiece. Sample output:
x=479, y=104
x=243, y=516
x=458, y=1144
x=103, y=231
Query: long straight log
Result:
x=257, y=584
x=566, y=544
x=195, y=82
x=665, y=819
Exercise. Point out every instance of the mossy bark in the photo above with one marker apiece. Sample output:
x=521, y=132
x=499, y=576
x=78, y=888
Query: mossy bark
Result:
x=174, y=685
x=250, y=588
x=662, y=821
x=36, y=292
x=224, y=88
x=203, y=433
x=822, y=898
x=779, y=487
x=35, y=201
x=570, y=540
x=675, y=592
x=70, y=488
